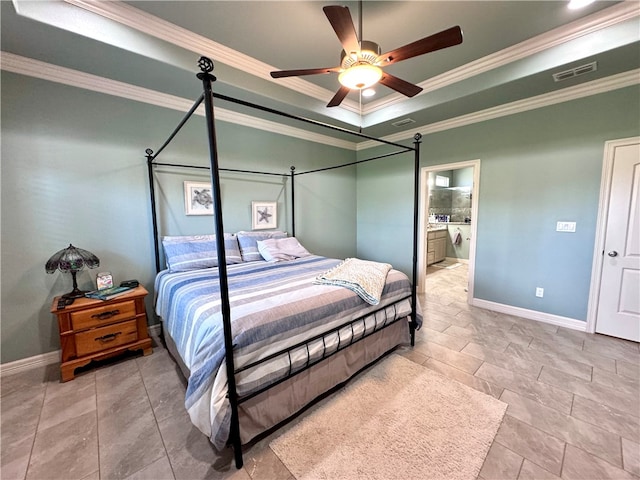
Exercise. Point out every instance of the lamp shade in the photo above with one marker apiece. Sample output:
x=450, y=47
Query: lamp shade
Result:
x=72, y=259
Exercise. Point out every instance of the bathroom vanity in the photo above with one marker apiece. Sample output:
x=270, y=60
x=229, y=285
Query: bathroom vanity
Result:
x=437, y=244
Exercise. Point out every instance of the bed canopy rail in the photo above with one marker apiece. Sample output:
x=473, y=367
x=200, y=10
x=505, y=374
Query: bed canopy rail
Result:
x=151, y=165
x=206, y=67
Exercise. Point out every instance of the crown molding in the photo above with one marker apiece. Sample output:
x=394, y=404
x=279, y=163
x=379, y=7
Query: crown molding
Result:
x=66, y=76
x=181, y=37
x=603, y=85
x=37, y=69
x=166, y=31
x=553, y=38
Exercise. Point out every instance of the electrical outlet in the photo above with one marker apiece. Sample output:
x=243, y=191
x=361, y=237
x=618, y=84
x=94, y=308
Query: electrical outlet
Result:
x=539, y=292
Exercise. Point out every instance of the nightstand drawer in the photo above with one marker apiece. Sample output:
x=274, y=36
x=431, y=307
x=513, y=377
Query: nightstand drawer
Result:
x=102, y=338
x=91, y=329
x=103, y=315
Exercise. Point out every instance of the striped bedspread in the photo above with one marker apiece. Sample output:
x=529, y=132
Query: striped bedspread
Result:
x=273, y=306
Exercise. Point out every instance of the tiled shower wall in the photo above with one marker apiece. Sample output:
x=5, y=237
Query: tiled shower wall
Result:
x=455, y=202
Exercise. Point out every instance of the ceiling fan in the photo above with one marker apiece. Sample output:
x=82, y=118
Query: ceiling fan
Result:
x=362, y=60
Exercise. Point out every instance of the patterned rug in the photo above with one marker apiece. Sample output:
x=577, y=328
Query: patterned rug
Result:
x=398, y=420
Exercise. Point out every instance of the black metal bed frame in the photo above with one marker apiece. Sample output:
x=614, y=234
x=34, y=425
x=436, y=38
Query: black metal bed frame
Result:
x=207, y=78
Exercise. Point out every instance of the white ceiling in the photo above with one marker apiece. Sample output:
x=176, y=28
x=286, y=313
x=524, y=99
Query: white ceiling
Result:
x=509, y=52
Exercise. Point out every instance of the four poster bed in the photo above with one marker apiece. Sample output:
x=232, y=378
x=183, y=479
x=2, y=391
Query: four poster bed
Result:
x=259, y=340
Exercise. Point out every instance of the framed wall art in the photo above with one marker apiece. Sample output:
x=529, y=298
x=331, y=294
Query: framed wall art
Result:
x=198, y=198
x=264, y=215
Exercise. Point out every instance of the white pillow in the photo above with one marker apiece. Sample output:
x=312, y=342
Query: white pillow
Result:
x=249, y=243
x=278, y=249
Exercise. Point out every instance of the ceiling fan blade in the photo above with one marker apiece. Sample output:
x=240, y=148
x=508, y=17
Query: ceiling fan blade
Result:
x=399, y=85
x=299, y=73
x=339, y=96
x=340, y=19
x=447, y=38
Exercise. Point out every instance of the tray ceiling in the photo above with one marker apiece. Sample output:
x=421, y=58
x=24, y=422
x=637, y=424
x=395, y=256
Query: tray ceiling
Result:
x=510, y=51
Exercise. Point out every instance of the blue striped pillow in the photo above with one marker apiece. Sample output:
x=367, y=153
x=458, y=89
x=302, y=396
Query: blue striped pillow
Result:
x=183, y=253
x=249, y=243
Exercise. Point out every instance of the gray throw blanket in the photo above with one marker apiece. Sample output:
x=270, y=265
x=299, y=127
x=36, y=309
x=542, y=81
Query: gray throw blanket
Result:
x=366, y=278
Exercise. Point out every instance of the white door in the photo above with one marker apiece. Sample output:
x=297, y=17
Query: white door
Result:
x=619, y=303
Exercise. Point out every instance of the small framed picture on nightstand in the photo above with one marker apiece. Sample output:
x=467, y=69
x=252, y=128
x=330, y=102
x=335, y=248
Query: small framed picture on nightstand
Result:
x=104, y=280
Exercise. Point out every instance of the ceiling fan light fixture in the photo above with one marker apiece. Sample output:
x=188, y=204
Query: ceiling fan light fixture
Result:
x=360, y=76
x=360, y=60
x=368, y=53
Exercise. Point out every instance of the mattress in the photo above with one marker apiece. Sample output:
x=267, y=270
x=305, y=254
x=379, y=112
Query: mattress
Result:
x=274, y=307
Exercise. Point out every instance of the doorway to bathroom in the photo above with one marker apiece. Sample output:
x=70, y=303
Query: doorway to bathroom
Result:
x=448, y=224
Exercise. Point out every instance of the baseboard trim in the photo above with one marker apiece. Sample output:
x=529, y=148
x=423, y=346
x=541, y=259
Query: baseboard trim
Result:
x=459, y=260
x=566, y=322
x=155, y=329
x=29, y=363
x=49, y=358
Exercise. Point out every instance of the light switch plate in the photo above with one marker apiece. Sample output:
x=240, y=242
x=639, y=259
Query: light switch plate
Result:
x=568, y=227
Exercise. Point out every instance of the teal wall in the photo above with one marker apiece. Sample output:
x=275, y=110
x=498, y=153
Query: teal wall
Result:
x=537, y=168
x=385, y=208
x=463, y=177
x=74, y=171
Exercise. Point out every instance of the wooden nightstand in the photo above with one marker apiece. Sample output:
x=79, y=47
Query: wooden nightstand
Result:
x=96, y=329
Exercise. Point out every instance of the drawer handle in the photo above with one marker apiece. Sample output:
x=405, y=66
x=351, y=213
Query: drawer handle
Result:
x=105, y=315
x=108, y=338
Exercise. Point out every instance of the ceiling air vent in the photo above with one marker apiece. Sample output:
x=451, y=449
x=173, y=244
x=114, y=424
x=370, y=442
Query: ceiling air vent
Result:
x=402, y=123
x=574, y=72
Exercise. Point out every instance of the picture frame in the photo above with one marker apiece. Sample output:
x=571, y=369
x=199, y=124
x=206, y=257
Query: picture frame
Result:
x=198, y=198
x=264, y=215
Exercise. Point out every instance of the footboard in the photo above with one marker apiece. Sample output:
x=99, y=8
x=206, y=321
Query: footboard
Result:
x=266, y=408
x=313, y=350
x=261, y=412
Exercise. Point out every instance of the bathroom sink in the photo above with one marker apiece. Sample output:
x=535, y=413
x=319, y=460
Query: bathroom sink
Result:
x=431, y=227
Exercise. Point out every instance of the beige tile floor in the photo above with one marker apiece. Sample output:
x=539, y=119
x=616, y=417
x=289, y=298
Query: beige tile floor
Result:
x=573, y=399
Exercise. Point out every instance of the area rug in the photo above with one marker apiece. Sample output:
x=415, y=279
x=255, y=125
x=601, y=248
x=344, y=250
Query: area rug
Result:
x=398, y=420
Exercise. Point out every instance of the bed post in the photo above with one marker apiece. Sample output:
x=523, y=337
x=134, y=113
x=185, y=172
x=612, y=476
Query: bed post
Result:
x=152, y=198
x=293, y=203
x=206, y=66
x=416, y=199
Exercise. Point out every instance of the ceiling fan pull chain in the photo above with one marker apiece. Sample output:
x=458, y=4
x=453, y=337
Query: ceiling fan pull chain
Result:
x=360, y=98
x=360, y=37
